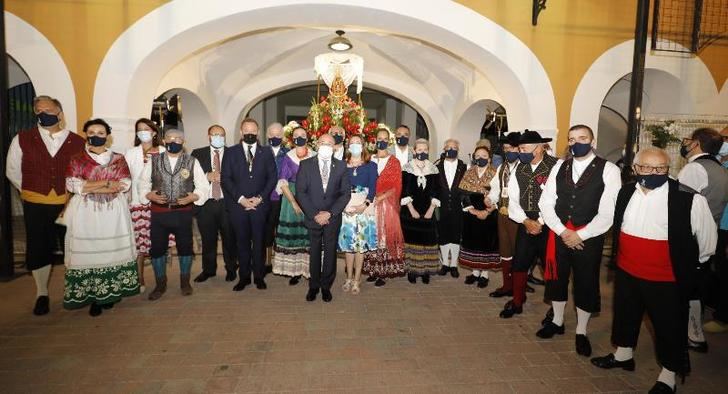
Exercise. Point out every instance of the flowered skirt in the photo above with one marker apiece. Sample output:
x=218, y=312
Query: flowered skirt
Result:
x=358, y=233
x=104, y=285
x=141, y=218
x=292, y=242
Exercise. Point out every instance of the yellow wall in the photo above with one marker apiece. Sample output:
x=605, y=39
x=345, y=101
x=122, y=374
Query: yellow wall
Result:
x=571, y=34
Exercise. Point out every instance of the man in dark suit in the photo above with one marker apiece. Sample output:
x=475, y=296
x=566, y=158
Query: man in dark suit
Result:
x=248, y=178
x=212, y=219
x=275, y=141
x=323, y=190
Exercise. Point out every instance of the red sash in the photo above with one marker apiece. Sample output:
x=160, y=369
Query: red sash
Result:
x=550, y=269
x=645, y=258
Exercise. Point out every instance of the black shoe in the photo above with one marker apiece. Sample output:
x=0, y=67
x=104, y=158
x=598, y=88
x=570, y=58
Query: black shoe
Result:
x=412, y=278
x=443, y=270
x=549, y=330
x=260, y=284
x=483, y=282
x=372, y=279
x=498, y=293
x=41, y=306
x=311, y=295
x=426, y=279
x=700, y=347
x=203, y=276
x=608, y=362
x=510, y=309
x=241, y=285
x=95, y=310
x=454, y=272
x=326, y=295
x=470, y=279
x=549, y=316
x=583, y=346
x=535, y=281
x=380, y=282
x=529, y=289
x=662, y=388
x=230, y=276
x=294, y=280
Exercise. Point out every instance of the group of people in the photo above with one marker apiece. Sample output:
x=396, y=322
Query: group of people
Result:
x=393, y=212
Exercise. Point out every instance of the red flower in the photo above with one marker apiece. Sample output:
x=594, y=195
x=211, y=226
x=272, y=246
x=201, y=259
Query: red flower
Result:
x=541, y=179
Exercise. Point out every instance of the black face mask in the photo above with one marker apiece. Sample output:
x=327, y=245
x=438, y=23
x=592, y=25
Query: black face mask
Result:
x=275, y=141
x=652, y=181
x=402, y=141
x=580, y=150
x=47, y=120
x=300, y=141
x=250, y=139
x=480, y=162
x=422, y=156
x=338, y=139
x=684, y=151
x=451, y=153
x=95, y=140
x=173, y=147
x=382, y=145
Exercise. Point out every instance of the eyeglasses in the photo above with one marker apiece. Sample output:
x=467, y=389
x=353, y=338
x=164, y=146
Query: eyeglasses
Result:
x=651, y=169
x=686, y=141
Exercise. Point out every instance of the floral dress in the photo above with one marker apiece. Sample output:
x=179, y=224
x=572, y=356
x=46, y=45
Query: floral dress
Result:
x=359, y=231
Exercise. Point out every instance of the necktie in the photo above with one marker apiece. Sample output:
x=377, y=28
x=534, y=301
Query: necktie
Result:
x=250, y=158
x=216, y=190
x=325, y=173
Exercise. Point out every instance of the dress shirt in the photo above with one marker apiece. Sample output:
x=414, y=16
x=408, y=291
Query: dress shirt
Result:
x=13, y=168
x=694, y=175
x=322, y=163
x=450, y=167
x=202, y=186
x=339, y=153
x=212, y=165
x=495, y=190
x=402, y=155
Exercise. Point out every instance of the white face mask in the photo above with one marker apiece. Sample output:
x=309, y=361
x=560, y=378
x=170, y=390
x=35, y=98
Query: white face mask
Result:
x=144, y=135
x=325, y=151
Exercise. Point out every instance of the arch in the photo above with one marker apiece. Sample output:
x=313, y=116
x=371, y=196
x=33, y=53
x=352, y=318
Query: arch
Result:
x=196, y=116
x=42, y=63
x=467, y=128
x=616, y=62
x=145, y=52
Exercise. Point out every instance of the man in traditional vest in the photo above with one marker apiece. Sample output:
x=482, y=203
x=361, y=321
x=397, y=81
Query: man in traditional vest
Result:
x=577, y=204
x=36, y=166
x=524, y=191
x=507, y=228
x=704, y=174
x=656, y=264
x=172, y=181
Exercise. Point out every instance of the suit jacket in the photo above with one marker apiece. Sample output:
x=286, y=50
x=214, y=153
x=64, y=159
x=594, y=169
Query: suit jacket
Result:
x=238, y=182
x=450, y=198
x=310, y=191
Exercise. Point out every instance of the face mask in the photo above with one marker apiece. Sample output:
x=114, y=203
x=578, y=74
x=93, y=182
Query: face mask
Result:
x=382, y=145
x=250, y=139
x=526, y=157
x=300, y=141
x=144, y=135
x=275, y=141
x=723, y=150
x=511, y=157
x=325, y=151
x=95, y=140
x=652, y=181
x=338, y=139
x=684, y=151
x=355, y=149
x=217, y=141
x=402, y=141
x=422, y=156
x=47, y=120
x=580, y=150
x=173, y=147
x=480, y=162
x=451, y=153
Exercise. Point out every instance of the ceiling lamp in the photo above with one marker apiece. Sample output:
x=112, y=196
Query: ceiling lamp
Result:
x=340, y=43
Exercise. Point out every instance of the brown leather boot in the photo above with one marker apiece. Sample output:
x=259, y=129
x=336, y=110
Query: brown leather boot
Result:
x=184, y=284
x=159, y=288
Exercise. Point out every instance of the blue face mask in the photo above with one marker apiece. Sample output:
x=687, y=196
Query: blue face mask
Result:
x=451, y=153
x=580, y=150
x=651, y=181
x=173, y=147
x=47, y=120
x=355, y=149
x=422, y=156
x=382, y=145
x=217, y=141
x=300, y=141
x=338, y=139
x=511, y=157
x=95, y=140
x=480, y=162
x=526, y=157
x=402, y=141
x=275, y=141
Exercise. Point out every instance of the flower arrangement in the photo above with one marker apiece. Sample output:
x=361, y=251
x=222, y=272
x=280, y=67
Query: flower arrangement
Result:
x=344, y=112
x=663, y=134
x=288, y=133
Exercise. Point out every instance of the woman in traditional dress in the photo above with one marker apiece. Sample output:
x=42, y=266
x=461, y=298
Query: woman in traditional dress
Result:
x=291, y=244
x=480, y=225
x=100, y=249
x=387, y=261
x=358, y=233
x=419, y=191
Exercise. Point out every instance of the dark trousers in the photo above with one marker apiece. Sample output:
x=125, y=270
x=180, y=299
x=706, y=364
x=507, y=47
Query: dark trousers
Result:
x=323, y=239
x=249, y=227
x=177, y=222
x=42, y=235
x=212, y=220
x=721, y=267
x=529, y=248
x=668, y=313
x=585, y=265
x=272, y=223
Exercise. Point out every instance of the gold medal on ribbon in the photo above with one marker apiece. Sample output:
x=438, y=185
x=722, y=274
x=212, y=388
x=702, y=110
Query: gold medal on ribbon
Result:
x=503, y=211
x=184, y=173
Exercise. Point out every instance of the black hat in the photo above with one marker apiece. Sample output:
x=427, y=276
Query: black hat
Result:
x=532, y=137
x=511, y=138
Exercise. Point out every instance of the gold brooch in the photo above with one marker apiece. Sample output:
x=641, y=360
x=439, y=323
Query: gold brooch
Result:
x=185, y=173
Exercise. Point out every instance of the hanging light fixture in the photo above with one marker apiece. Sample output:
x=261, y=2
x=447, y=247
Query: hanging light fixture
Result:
x=340, y=43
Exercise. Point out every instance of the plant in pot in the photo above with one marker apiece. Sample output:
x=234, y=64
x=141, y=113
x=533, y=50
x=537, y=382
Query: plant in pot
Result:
x=663, y=134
